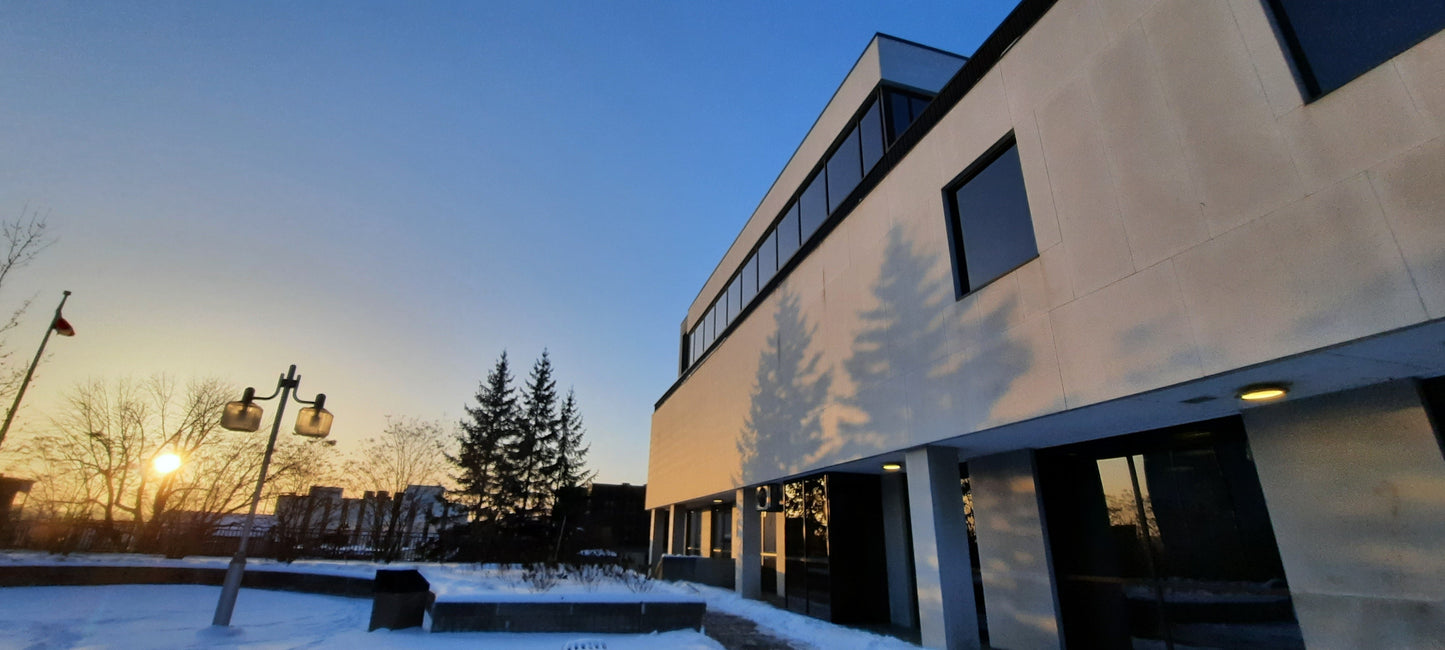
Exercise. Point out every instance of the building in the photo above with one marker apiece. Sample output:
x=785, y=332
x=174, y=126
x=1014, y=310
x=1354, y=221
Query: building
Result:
x=978, y=356
x=604, y=520
x=374, y=519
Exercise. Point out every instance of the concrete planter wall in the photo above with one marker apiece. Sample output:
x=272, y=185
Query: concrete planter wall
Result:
x=80, y=575
x=598, y=617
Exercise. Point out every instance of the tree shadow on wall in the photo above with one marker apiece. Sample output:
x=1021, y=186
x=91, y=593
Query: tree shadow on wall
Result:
x=924, y=365
x=784, y=422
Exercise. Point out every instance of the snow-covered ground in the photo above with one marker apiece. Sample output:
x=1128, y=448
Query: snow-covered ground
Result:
x=143, y=617
x=178, y=616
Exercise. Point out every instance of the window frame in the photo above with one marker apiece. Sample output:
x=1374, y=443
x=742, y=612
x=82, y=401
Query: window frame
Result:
x=1300, y=59
x=956, y=250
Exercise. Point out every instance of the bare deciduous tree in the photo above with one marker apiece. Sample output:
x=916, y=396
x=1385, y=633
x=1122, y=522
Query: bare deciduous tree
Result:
x=95, y=458
x=21, y=240
x=409, y=451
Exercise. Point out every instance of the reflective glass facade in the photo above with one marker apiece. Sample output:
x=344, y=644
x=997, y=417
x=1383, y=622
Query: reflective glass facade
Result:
x=1162, y=539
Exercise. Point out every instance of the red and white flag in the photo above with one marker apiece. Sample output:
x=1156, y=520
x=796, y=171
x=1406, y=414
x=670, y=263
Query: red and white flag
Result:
x=62, y=326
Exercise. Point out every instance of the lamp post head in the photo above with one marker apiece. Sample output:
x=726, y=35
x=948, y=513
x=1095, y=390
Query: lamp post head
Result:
x=314, y=421
x=244, y=415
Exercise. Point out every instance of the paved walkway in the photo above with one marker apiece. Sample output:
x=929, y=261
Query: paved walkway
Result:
x=738, y=633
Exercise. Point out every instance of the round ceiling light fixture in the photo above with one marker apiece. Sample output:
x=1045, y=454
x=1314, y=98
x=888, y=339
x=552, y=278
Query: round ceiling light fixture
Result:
x=1263, y=392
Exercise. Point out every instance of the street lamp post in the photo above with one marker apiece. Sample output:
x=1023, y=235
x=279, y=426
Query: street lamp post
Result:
x=313, y=422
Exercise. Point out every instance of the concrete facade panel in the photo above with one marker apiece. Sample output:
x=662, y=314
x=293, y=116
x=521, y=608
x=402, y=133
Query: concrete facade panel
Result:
x=1422, y=68
x=1018, y=584
x=1355, y=484
x=1049, y=55
x=1036, y=183
x=1129, y=337
x=979, y=120
x=1158, y=197
x=1093, y=233
x=1271, y=63
x=1116, y=16
x=1411, y=189
x=1330, y=141
x=1227, y=128
x=1312, y=274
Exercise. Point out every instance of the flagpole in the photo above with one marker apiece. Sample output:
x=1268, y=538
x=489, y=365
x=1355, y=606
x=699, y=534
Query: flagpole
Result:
x=5, y=428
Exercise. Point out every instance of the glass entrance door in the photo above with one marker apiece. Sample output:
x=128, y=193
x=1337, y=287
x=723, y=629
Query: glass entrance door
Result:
x=1162, y=540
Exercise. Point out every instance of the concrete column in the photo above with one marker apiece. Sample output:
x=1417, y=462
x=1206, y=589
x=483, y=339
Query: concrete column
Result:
x=657, y=544
x=901, y=590
x=1018, y=581
x=1355, y=486
x=705, y=539
x=747, y=547
x=679, y=531
x=780, y=534
x=947, y=617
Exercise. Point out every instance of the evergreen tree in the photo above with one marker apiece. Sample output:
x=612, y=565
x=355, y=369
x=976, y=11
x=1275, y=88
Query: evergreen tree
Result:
x=568, y=464
x=534, y=447
x=487, y=432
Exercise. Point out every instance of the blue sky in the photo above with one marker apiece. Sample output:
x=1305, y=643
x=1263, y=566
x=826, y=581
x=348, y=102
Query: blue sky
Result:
x=390, y=194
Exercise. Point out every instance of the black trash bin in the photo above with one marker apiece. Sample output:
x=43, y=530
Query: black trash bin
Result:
x=399, y=599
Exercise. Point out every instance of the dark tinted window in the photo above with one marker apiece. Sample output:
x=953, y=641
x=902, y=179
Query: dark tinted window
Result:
x=719, y=316
x=916, y=106
x=870, y=132
x=1334, y=41
x=708, y=333
x=899, y=114
x=1434, y=391
x=750, y=279
x=813, y=206
x=992, y=229
x=845, y=169
x=788, y=236
x=735, y=298
x=696, y=344
x=768, y=259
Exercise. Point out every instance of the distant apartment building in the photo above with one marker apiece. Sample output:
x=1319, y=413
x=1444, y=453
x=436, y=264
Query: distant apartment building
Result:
x=324, y=512
x=980, y=365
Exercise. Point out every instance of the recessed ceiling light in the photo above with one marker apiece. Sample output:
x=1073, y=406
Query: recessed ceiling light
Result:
x=717, y=500
x=892, y=467
x=1263, y=392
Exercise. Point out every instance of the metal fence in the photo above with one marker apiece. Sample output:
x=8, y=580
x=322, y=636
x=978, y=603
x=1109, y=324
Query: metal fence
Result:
x=89, y=536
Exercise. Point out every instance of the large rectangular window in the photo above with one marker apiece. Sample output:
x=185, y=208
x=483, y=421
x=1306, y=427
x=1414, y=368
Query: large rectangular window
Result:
x=719, y=316
x=788, y=236
x=899, y=114
x=750, y=279
x=767, y=259
x=870, y=132
x=709, y=332
x=813, y=206
x=735, y=299
x=845, y=169
x=991, y=229
x=1334, y=41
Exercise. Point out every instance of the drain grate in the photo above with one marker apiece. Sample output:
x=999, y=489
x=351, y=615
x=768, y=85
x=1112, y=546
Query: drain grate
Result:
x=585, y=644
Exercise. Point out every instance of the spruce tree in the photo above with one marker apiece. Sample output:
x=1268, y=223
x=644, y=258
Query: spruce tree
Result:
x=534, y=447
x=487, y=431
x=568, y=464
